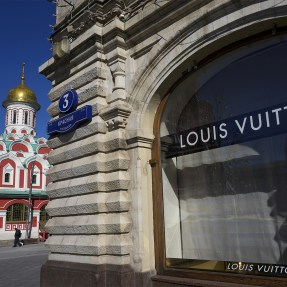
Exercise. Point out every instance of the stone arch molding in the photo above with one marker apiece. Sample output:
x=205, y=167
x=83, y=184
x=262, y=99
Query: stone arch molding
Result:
x=188, y=43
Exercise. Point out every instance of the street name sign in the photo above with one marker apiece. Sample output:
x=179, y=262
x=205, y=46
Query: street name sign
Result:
x=72, y=118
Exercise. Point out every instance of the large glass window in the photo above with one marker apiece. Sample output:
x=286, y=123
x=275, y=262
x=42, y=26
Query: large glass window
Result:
x=224, y=164
x=16, y=212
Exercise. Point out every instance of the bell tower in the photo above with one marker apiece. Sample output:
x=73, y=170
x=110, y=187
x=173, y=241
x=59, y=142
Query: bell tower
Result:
x=21, y=106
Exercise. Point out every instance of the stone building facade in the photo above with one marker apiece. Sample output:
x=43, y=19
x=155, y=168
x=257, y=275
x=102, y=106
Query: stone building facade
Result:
x=178, y=178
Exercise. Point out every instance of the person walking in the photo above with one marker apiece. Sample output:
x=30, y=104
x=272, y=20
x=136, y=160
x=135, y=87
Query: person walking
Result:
x=17, y=236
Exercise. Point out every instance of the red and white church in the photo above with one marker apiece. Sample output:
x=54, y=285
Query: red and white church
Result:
x=22, y=155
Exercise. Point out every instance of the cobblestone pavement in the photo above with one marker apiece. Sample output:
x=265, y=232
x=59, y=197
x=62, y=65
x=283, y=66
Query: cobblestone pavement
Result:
x=20, y=266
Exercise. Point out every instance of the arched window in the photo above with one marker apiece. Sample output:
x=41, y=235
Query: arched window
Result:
x=8, y=172
x=34, y=179
x=16, y=212
x=222, y=154
x=7, y=177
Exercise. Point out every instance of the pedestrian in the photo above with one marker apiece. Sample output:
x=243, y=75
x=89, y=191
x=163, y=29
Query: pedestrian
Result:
x=17, y=236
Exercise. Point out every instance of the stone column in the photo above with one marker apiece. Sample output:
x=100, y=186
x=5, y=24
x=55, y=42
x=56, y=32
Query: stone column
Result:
x=90, y=225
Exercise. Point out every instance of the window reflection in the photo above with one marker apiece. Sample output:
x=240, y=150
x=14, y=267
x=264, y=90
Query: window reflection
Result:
x=225, y=204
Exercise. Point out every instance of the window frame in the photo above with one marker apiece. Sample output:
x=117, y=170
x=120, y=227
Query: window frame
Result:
x=8, y=169
x=7, y=177
x=189, y=276
x=12, y=213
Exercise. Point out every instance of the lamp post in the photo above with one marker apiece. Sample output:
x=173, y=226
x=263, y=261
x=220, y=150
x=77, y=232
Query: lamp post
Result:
x=29, y=219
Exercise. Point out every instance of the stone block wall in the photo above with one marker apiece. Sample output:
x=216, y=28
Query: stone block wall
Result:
x=122, y=58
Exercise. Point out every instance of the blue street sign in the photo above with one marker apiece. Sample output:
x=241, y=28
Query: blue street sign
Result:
x=70, y=121
x=68, y=101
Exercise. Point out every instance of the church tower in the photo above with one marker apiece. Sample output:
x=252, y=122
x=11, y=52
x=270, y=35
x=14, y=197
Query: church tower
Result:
x=21, y=107
x=23, y=165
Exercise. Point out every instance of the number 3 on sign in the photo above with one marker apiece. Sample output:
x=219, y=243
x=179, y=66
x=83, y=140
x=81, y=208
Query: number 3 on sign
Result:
x=68, y=101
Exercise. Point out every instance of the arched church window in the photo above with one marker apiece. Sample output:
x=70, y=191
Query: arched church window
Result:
x=34, y=179
x=7, y=177
x=36, y=176
x=16, y=212
x=8, y=172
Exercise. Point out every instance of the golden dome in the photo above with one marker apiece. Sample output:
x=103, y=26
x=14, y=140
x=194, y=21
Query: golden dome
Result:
x=21, y=94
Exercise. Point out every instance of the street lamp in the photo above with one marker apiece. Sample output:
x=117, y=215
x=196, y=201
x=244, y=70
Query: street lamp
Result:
x=29, y=219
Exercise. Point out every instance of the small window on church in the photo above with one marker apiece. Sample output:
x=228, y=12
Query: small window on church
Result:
x=26, y=118
x=14, y=117
x=34, y=179
x=7, y=177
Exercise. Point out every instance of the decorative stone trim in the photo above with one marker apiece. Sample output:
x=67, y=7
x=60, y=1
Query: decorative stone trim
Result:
x=96, y=126
x=139, y=141
x=101, y=202
x=111, y=223
x=106, y=244
x=116, y=116
x=91, y=164
x=83, y=17
x=105, y=182
x=94, y=144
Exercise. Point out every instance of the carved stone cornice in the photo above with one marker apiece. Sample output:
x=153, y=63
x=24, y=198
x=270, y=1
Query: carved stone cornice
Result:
x=78, y=20
x=115, y=116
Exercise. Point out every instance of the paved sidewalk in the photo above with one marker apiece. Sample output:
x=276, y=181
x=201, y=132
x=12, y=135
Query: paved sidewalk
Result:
x=20, y=266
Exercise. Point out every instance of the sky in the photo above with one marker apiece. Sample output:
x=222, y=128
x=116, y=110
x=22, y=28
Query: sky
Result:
x=25, y=29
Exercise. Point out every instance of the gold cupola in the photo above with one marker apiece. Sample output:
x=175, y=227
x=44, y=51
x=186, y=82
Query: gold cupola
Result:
x=22, y=94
